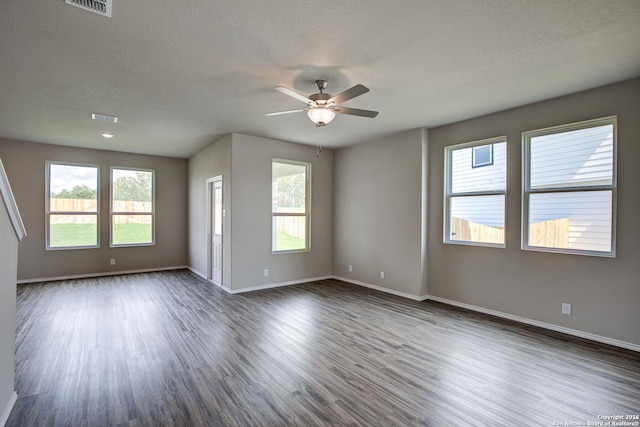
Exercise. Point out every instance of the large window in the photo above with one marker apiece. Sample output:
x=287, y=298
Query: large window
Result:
x=290, y=195
x=132, y=207
x=475, y=191
x=72, y=206
x=569, y=188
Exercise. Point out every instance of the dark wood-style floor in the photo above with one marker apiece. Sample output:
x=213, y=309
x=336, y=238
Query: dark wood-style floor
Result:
x=170, y=349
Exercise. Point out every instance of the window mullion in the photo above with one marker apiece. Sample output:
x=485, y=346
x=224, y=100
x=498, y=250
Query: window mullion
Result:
x=478, y=193
x=570, y=189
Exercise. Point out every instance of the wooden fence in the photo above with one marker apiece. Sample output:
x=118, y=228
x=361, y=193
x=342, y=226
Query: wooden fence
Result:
x=73, y=205
x=91, y=206
x=292, y=225
x=470, y=231
x=553, y=233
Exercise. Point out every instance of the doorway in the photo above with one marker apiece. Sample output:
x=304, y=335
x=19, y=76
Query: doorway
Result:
x=215, y=218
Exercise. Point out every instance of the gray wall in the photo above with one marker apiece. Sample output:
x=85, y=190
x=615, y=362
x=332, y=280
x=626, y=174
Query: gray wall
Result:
x=377, y=213
x=25, y=166
x=8, y=263
x=604, y=292
x=251, y=216
x=245, y=163
x=213, y=161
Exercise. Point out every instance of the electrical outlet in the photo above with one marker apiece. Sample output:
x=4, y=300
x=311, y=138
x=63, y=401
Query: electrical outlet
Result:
x=566, y=308
x=350, y=268
x=382, y=274
x=113, y=261
x=266, y=272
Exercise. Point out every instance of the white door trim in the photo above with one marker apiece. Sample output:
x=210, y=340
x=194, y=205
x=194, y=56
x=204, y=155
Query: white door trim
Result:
x=210, y=183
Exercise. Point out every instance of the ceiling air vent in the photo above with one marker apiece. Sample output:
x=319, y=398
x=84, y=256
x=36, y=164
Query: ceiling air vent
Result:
x=101, y=7
x=104, y=118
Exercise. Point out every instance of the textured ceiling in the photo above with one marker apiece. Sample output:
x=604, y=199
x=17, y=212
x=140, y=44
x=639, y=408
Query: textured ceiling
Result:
x=181, y=74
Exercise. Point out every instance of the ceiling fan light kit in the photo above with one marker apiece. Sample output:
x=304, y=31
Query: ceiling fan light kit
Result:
x=321, y=116
x=322, y=107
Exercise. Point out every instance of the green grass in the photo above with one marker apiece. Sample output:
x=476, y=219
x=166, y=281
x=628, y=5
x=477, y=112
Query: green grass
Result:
x=286, y=242
x=131, y=234
x=70, y=235
x=78, y=235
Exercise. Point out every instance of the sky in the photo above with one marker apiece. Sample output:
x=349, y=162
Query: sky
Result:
x=68, y=176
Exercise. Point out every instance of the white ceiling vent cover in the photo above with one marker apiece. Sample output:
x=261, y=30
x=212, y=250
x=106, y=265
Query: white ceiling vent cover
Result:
x=101, y=7
x=104, y=118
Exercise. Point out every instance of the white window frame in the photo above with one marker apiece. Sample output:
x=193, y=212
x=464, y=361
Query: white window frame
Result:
x=307, y=204
x=112, y=213
x=527, y=191
x=448, y=193
x=49, y=212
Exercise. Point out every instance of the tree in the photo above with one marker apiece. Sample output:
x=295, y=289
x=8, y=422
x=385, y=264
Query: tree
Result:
x=78, y=192
x=133, y=188
x=291, y=191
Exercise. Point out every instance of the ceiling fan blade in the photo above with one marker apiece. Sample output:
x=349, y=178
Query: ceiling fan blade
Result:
x=348, y=94
x=355, y=112
x=277, y=113
x=293, y=94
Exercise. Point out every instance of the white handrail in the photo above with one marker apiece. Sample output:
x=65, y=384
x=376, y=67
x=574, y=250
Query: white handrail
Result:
x=10, y=203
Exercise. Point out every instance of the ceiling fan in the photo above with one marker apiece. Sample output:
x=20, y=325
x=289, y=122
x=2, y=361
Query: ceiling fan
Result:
x=322, y=107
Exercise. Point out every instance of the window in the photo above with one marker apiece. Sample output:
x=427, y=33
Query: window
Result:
x=482, y=155
x=132, y=207
x=290, y=195
x=72, y=206
x=569, y=188
x=474, y=205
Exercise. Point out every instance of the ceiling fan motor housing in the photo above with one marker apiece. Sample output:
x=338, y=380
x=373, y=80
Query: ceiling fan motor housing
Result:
x=320, y=97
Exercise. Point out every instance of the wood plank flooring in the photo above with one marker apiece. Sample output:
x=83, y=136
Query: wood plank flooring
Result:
x=169, y=349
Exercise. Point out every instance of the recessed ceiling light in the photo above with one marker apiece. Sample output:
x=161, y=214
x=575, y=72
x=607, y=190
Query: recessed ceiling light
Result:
x=107, y=135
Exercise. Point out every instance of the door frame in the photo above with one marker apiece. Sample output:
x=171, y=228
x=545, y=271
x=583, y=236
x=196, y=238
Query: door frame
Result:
x=210, y=183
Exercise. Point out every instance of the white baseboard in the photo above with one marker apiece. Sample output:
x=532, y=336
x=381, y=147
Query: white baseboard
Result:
x=524, y=320
x=382, y=289
x=297, y=282
x=275, y=285
x=197, y=273
x=257, y=287
x=544, y=325
x=203, y=276
x=110, y=273
x=8, y=408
